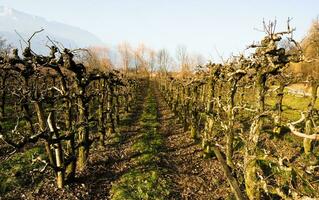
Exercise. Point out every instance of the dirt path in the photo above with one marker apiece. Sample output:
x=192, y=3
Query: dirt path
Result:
x=113, y=162
x=193, y=176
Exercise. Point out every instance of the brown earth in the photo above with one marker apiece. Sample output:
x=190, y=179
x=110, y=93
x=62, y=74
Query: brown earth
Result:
x=193, y=176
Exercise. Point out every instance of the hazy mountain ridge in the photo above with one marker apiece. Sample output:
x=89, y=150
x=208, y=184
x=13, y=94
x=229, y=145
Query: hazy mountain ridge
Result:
x=26, y=25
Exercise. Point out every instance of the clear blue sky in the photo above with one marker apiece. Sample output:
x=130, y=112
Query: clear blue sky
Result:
x=201, y=25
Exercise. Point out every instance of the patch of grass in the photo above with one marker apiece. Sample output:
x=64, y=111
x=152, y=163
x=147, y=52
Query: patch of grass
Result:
x=138, y=184
x=148, y=143
x=126, y=119
x=146, y=181
x=15, y=172
x=7, y=125
x=115, y=139
x=292, y=105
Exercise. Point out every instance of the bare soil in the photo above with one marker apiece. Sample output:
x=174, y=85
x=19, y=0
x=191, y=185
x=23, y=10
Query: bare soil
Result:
x=194, y=177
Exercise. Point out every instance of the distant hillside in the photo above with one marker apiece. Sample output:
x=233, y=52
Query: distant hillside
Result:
x=26, y=24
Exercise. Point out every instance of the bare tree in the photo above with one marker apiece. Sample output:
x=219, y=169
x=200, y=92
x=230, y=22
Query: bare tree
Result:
x=140, y=59
x=196, y=60
x=163, y=60
x=126, y=55
x=98, y=58
x=144, y=59
x=183, y=59
x=151, y=60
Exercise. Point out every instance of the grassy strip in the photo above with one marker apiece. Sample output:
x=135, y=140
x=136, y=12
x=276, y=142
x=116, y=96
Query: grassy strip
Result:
x=17, y=170
x=146, y=181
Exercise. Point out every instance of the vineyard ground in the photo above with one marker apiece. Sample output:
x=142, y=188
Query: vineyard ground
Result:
x=180, y=162
x=175, y=163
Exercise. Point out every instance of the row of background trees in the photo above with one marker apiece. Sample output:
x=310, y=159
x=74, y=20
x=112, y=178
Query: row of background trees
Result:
x=130, y=58
x=142, y=57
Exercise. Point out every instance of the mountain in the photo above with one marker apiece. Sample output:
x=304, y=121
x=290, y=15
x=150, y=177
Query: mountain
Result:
x=26, y=25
